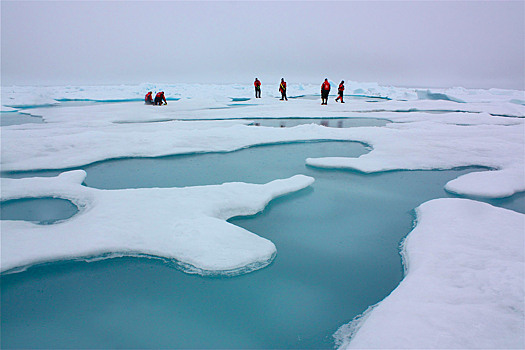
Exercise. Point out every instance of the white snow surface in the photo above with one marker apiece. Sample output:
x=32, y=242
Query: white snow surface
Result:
x=464, y=284
x=183, y=224
x=23, y=96
x=482, y=134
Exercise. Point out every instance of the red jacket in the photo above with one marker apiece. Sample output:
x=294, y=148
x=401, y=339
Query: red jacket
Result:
x=341, y=87
x=148, y=97
x=257, y=83
x=161, y=96
x=282, y=87
x=325, y=86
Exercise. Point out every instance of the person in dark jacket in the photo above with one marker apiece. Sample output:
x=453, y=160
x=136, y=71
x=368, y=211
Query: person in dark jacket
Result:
x=340, y=91
x=325, y=90
x=282, y=89
x=159, y=98
x=257, y=85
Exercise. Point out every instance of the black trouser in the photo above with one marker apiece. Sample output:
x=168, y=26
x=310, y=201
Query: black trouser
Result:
x=283, y=95
x=257, y=92
x=324, y=96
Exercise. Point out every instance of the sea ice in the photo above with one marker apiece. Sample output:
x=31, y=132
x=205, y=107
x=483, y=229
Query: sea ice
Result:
x=434, y=145
x=183, y=224
x=463, y=288
x=74, y=136
x=464, y=282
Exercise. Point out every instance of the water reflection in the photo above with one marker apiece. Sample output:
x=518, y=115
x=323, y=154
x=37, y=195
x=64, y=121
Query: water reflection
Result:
x=328, y=122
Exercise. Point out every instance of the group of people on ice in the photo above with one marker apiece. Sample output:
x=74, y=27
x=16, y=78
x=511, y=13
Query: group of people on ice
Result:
x=160, y=99
x=325, y=90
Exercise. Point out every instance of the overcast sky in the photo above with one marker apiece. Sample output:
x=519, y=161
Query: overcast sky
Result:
x=409, y=43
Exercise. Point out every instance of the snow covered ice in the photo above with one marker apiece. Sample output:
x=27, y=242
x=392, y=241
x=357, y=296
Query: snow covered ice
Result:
x=185, y=224
x=464, y=258
x=464, y=283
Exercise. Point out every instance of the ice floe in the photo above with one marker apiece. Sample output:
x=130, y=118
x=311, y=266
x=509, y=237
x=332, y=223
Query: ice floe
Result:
x=186, y=226
x=431, y=145
x=463, y=288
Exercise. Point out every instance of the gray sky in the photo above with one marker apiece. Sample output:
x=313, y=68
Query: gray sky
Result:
x=410, y=43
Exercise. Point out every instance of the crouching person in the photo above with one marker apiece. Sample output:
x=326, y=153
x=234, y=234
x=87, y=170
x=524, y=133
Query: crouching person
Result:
x=149, y=98
x=159, y=98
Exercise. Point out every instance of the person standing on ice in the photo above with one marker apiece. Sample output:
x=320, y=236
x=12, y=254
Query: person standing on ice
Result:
x=159, y=97
x=340, y=90
x=282, y=89
x=257, y=85
x=325, y=90
x=149, y=98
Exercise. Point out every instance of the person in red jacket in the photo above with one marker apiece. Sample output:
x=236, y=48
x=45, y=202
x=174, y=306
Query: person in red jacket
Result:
x=325, y=90
x=149, y=98
x=282, y=89
x=257, y=85
x=159, y=97
x=340, y=90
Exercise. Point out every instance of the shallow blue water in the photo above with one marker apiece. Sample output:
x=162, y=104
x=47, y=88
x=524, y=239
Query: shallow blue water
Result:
x=337, y=253
x=45, y=210
x=16, y=118
x=258, y=164
x=290, y=122
x=328, y=122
